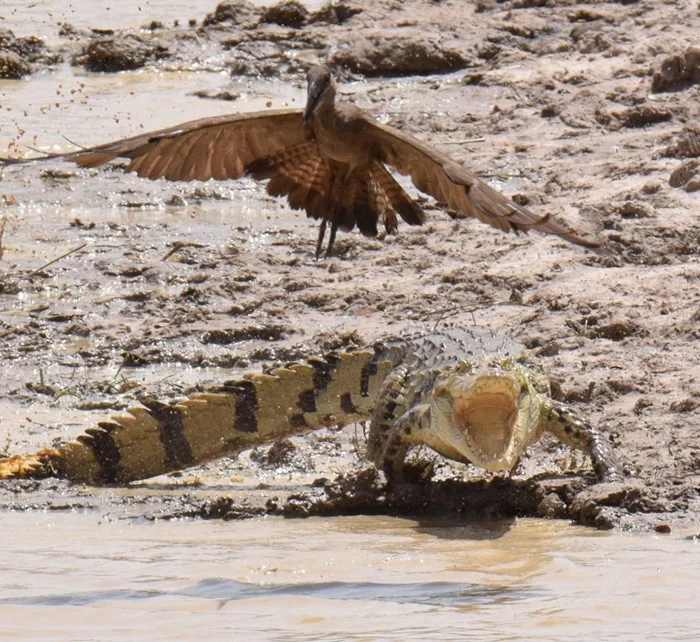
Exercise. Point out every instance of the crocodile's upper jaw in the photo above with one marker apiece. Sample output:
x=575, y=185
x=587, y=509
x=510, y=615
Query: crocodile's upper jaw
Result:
x=491, y=419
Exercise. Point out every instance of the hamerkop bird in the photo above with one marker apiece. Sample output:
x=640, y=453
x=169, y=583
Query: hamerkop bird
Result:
x=329, y=159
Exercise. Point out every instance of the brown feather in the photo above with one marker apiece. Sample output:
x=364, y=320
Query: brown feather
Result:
x=331, y=163
x=221, y=147
x=397, y=197
x=454, y=185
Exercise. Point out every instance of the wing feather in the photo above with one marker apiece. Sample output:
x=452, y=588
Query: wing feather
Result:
x=454, y=185
x=221, y=147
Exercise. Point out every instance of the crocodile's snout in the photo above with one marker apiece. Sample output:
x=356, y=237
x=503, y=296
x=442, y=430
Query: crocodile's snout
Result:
x=486, y=414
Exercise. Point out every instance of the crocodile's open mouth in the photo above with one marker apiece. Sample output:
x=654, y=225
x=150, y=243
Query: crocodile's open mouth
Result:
x=487, y=415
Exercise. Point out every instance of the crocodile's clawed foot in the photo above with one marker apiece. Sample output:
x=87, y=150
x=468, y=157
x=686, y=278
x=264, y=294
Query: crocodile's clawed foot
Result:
x=415, y=472
x=418, y=471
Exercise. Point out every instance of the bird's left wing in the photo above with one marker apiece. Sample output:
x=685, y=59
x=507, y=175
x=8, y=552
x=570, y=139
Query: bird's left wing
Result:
x=452, y=184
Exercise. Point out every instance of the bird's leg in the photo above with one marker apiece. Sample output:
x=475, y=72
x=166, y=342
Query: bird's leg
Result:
x=333, y=218
x=319, y=240
x=331, y=239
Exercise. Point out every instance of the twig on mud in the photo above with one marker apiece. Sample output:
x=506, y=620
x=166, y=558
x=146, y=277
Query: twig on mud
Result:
x=464, y=141
x=446, y=313
x=58, y=258
x=515, y=91
x=361, y=450
x=178, y=245
x=503, y=175
x=3, y=220
x=5, y=450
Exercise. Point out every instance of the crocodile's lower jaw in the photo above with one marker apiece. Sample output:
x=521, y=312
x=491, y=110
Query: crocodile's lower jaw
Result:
x=486, y=415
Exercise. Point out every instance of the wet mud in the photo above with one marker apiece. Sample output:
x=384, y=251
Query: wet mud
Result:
x=566, y=107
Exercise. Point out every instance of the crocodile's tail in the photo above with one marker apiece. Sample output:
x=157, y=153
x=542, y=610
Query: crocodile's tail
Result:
x=157, y=438
x=35, y=466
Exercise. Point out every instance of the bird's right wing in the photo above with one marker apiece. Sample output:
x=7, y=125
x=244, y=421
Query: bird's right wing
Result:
x=221, y=147
x=454, y=185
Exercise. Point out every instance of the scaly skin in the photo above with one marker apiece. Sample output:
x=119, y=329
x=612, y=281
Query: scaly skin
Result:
x=460, y=391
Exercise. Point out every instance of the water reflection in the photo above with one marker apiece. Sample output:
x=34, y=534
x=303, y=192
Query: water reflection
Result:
x=224, y=591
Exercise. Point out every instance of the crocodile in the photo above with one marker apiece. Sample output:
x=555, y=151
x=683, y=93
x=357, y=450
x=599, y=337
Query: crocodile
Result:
x=469, y=394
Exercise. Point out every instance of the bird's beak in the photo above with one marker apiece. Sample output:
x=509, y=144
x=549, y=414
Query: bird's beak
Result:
x=314, y=95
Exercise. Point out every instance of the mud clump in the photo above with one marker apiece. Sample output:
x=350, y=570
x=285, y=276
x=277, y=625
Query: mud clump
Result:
x=282, y=453
x=377, y=56
x=616, y=330
x=334, y=13
x=589, y=38
x=224, y=508
x=120, y=53
x=552, y=507
x=225, y=337
x=18, y=54
x=685, y=405
x=643, y=115
x=677, y=71
x=236, y=12
x=686, y=175
x=290, y=13
x=12, y=66
x=30, y=48
x=603, y=505
x=634, y=209
x=687, y=144
x=360, y=492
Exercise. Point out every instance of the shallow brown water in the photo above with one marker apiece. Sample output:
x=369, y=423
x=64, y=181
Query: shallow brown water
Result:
x=81, y=577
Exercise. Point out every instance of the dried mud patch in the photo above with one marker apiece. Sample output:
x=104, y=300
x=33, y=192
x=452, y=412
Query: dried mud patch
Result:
x=120, y=53
x=396, y=57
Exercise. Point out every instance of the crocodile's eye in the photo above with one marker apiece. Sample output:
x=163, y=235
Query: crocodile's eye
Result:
x=464, y=366
x=443, y=404
x=506, y=364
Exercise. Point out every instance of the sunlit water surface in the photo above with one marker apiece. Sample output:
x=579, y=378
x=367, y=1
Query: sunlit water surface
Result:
x=81, y=577
x=43, y=17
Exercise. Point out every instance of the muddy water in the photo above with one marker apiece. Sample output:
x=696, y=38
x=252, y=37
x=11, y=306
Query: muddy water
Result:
x=77, y=576
x=42, y=17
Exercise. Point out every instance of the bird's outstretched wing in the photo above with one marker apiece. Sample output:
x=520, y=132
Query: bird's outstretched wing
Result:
x=276, y=145
x=221, y=147
x=454, y=185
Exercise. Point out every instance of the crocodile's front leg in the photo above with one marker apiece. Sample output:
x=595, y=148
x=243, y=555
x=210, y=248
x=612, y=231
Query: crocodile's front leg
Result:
x=401, y=436
x=390, y=421
x=574, y=431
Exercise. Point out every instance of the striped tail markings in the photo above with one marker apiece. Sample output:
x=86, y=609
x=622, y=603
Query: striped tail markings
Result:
x=156, y=438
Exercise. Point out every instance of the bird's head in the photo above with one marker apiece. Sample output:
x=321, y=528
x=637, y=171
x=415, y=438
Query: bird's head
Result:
x=321, y=88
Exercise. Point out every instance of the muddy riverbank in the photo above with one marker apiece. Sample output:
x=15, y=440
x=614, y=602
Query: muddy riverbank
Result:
x=581, y=110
